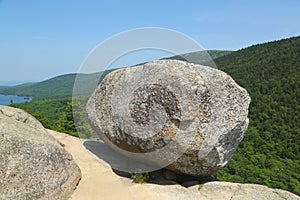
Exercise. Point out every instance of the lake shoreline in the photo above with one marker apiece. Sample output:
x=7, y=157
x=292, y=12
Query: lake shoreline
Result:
x=8, y=99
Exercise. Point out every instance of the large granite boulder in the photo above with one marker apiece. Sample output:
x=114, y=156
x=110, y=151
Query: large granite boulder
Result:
x=186, y=117
x=33, y=165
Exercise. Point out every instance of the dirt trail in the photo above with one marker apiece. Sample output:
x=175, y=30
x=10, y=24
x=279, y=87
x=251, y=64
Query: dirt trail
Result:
x=98, y=180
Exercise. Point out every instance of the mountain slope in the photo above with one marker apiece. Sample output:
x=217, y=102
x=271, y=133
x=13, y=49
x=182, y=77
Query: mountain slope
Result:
x=201, y=57
x=270, y=151
x=54, y=87
x=60, y=86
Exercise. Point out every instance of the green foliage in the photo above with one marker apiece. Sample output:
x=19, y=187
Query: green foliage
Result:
x=140, y=177
x=47, y=111
x=66, y=122
x=201, y=57
x=60, y=114
x=75, y=119
x=270, y=151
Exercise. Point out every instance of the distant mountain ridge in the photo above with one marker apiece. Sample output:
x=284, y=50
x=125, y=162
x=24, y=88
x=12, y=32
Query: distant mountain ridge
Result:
x=59, y=86
x=62, y=86
x=202, y=57
x=55, y=87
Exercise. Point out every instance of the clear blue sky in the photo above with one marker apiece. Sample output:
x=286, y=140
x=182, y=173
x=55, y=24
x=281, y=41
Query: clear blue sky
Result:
x=40, y=39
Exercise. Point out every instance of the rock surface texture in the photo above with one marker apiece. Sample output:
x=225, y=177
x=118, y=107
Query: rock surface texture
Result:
x=236, y=191
x=33, y=165
x=188, y=118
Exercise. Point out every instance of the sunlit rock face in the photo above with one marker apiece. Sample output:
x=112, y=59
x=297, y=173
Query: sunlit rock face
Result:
x=186, y=117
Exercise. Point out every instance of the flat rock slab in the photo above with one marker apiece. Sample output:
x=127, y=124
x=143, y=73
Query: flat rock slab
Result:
x=33, y=165
x=236, y=191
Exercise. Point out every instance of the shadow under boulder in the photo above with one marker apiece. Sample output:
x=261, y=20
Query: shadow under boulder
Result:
x=162, y=176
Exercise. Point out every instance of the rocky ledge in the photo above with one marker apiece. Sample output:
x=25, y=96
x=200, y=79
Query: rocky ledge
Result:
x=33, y=165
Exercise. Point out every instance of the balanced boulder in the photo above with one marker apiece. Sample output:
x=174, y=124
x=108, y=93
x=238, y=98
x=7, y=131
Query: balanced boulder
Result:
x=33, y=165
x=186, y=117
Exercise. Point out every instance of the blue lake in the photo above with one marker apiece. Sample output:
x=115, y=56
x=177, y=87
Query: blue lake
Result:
x=8, y=99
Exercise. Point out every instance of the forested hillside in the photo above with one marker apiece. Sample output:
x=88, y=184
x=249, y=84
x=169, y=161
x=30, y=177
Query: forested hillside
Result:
x=57, y=87
x=202, y=57
x=270, y=151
